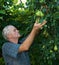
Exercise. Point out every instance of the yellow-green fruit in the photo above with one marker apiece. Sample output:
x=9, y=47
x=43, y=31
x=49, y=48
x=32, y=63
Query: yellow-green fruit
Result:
x=43, y=46
x=55, y=48
x=41, y=1
x=39, y=13
x=51, y=51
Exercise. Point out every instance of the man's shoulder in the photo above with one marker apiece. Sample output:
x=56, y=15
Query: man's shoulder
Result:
x=6, y=44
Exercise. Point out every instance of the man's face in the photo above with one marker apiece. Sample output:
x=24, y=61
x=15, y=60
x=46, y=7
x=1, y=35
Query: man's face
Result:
x=14, y=33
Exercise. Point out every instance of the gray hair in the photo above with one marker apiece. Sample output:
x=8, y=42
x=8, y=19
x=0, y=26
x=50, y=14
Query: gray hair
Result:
x=6, y=31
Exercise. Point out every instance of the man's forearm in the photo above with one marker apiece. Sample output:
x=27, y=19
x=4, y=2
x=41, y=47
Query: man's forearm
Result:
x=27, y=43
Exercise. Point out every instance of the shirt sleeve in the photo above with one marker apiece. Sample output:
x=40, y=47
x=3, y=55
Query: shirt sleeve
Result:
x=12, y=49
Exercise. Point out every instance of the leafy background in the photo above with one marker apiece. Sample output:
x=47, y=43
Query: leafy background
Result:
x=45, y=48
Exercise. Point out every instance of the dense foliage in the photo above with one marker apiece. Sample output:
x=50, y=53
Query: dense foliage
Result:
x=45, y=48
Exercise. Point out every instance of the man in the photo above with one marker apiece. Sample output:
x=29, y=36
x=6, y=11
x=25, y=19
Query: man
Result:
x=14, y=53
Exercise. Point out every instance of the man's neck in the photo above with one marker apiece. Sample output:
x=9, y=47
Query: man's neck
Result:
x=14, y=41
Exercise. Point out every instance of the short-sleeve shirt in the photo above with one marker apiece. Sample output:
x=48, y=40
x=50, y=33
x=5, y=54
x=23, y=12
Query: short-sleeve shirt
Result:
x=12, y=56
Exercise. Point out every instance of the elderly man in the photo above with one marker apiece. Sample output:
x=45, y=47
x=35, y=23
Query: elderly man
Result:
x=13, y=52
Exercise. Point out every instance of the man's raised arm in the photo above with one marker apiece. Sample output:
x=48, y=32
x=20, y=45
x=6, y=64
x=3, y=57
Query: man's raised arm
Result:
x=27, y=43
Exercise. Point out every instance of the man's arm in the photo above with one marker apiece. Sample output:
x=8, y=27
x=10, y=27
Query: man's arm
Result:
x=27, y=43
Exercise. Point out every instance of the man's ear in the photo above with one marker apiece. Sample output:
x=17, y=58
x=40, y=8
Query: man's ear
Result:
x=9, y=36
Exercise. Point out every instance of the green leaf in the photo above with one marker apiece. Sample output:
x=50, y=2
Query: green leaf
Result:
x=56, y=15
x=2, y=11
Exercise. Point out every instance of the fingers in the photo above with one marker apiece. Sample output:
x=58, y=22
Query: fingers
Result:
x=44, y=22
x=40, y=25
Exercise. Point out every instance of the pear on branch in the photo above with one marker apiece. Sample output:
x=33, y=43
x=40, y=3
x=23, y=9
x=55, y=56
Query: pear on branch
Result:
x=39, y=16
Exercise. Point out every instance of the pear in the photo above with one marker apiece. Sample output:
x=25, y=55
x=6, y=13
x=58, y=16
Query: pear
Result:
x=39, y=13
x=55, y=48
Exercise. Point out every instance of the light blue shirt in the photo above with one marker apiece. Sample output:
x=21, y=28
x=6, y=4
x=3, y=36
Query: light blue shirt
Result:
x=12, y=56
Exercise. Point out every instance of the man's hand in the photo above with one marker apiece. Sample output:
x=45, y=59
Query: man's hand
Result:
x=38, y=26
